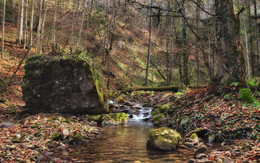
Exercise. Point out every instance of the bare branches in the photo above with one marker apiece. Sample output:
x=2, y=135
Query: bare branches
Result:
x=202, y=8
x=153, y=7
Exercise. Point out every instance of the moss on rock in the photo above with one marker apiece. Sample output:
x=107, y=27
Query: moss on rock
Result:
x=114, y=119
x=164, y=139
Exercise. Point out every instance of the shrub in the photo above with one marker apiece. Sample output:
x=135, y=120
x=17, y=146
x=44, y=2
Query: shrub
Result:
x=246, y=95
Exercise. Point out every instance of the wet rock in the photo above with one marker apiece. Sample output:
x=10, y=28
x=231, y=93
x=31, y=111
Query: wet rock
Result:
x=189, y=144
x=192, y=160
x=63, y=85
x=147, y=105
x=201, y=156
x=164, y=139
x=199, y=150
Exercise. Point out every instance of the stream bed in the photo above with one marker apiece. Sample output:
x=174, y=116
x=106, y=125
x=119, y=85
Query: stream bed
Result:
x=124, y=144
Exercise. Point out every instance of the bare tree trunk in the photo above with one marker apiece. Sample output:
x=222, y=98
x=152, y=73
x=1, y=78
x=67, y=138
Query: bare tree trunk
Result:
x=39, y=27
x=74, y=23
x=81, y=24
x=20, y=37
x=185, y=56
x=149, y=44
x=251, y=39
x=197, y=50
x=54, y=26
x=31, y=22
x=18, y=22
x=247, y=58
x=256, y=34
x=13, y=3
x=25, y=24
x=88, y=22
x=43, y=21
x=3, y=29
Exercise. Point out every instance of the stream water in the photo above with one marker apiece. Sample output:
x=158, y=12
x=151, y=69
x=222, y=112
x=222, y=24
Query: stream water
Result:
x=124, y=144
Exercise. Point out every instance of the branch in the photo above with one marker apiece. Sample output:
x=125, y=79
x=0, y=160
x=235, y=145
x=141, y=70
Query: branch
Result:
x=148, y=6
x=239, y=12
x=204, y=10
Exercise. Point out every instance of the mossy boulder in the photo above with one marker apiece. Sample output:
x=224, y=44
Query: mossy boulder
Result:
x=63, y=85
x=114, y=119
x=164, y=139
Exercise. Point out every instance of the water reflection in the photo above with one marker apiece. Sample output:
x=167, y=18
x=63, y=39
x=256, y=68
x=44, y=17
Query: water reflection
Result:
x=123, y=144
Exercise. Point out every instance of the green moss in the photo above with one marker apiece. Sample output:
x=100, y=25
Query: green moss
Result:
x=164, y=138
x=78, y=137
x=16, y=140
x=164, y=108
x=65, y=120
x=113, y=94
x=194, y=136
x=95, y=118
x=51, y=119
x=118, y=117
x=56, y=136
x=120, y=100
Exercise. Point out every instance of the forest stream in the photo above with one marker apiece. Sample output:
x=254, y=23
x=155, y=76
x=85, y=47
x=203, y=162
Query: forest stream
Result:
x=124, y=144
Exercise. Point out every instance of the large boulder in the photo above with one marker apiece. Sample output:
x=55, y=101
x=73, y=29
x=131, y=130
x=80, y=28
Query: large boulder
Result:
x=63, y=85
x=164, y=139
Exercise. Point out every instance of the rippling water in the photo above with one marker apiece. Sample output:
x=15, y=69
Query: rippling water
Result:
x=123, y=144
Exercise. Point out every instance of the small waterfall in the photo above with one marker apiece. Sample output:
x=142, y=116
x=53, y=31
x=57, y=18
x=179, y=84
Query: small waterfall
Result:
x=141, y=116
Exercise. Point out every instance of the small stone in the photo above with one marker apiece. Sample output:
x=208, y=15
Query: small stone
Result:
x=201, y=149
x=201, y=155
x=189, y=144
x=192, y=160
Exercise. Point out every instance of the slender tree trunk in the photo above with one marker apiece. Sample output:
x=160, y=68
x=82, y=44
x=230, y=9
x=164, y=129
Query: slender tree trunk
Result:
x=3, y=29
x=54, y=26
x=39, y=27
x=43, y=22
x=251, y=39
x=247, y=58
x=185, y=56
x=81, y=24
x=25, y=23
x=13, y=2
x=20, y=38
x=256, y=34
x=31, y=22
x=88, y=22
x=74, y=23
x=197, y=50
x=18, y=22
x=168, y=35
x=149, y=44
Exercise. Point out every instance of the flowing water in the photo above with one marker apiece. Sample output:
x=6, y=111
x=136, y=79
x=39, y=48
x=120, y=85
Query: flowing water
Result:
x=124, y=144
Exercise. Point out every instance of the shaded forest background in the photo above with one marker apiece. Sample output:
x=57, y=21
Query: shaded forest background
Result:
x=132, y=42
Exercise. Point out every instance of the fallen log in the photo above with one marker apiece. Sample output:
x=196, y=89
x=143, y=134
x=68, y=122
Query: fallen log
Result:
x=159, y=89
